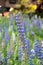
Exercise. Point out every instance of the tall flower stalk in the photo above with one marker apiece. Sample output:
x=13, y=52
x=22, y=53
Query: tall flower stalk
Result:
x=21, y=30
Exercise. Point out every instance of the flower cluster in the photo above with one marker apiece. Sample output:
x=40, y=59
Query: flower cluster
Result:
x=38, y=49
x=21, y=30
x=20, y=27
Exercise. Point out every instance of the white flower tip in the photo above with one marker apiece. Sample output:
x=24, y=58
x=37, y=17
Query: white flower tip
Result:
x=32, y=50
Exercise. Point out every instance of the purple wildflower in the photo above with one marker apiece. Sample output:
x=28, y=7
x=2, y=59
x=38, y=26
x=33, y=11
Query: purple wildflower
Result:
x=20, y=27
x=20, y=53
x=38, y=49
x=7, y=37
x=39, y=22
x=25, y=25
x=21, y=31
x=27, y=45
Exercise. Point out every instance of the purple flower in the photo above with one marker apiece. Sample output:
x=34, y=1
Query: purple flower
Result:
x=20, y=27
x=32, y=55
x=42, y=56
x=27, y=45
x=20, y=53
x=38, y=49
x=25, y=24
x=39, y=22
x=21, y=30
x=21, y=33
x=7, y=37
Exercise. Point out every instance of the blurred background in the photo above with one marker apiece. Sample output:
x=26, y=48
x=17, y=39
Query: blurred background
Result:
x=29, y=6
